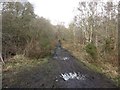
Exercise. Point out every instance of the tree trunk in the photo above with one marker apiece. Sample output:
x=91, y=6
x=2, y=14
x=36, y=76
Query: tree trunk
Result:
x=91, y=34
x=2, y=59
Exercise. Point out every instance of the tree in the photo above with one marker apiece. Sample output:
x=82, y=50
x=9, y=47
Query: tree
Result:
x=23, y=31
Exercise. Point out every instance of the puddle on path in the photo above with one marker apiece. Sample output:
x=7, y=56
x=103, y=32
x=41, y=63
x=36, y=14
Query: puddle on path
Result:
x=67, y=76
x=61, y=58
x=65, y=58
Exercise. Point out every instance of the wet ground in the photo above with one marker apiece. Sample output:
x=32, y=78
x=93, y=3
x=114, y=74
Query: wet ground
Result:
x=62, y=71
x=73, y=74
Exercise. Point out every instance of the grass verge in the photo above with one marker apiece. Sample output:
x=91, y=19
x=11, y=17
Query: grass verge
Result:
x=97, y=66
x=18, y=68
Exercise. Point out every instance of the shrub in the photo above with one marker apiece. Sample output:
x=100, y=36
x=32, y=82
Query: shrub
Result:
x=108, y=45
x=91, y=50
x=36, y=50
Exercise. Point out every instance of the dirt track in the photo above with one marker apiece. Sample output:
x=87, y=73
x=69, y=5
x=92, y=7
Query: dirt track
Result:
x=91, y=78
x=51, y=75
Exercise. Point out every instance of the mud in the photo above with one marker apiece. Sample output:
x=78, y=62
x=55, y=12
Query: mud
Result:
x=62, y=71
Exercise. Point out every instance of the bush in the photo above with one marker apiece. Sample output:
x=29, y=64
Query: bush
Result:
x=108, y=45
x=25, y=33
x=91, y=50
x=36, y=50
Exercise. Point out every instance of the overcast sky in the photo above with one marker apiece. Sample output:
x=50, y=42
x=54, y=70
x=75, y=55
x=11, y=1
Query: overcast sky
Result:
x=57, y=10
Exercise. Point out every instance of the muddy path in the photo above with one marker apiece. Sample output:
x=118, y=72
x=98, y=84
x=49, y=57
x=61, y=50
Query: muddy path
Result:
x=73, y=74
x=62, y=71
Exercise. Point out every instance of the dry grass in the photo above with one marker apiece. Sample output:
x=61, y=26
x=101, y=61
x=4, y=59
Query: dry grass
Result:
x=19, y=65
x=19, y=61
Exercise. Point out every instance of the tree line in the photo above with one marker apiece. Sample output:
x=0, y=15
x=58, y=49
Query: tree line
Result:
x=94, y=30
x=23, y=32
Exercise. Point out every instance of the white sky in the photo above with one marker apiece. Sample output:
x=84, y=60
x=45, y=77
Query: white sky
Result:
x=57, y=10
